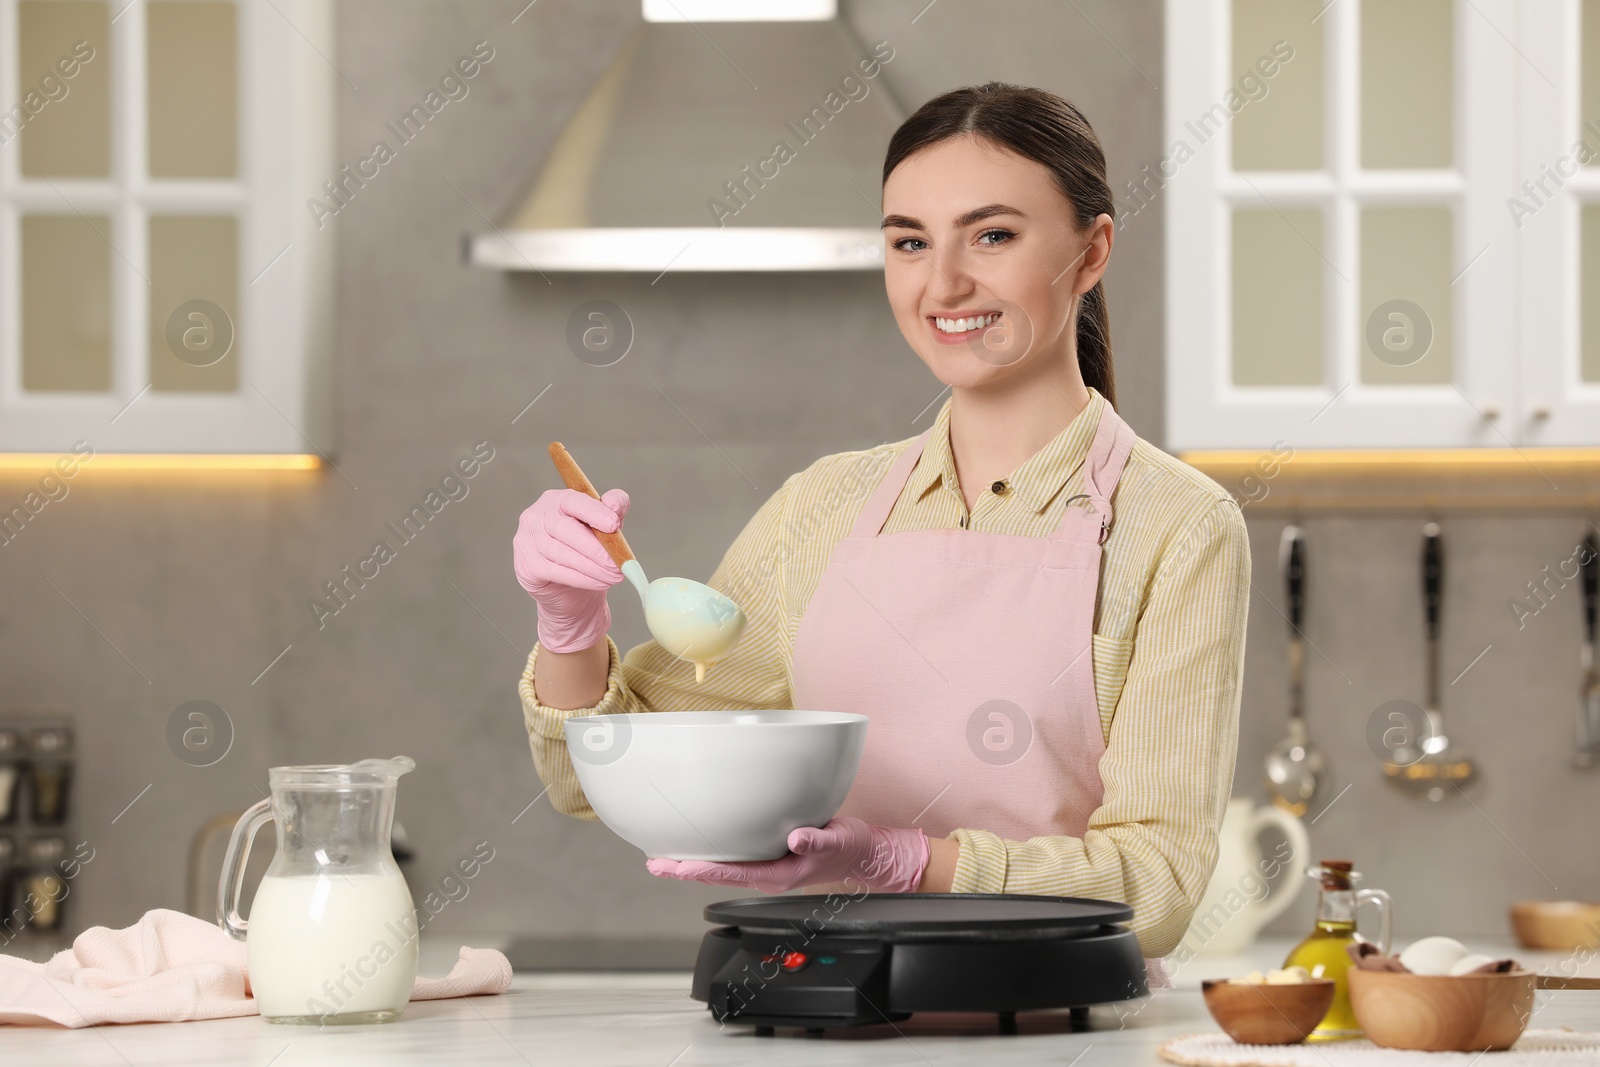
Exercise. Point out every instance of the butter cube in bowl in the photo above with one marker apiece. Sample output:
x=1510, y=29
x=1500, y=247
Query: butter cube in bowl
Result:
x=1279, y=1007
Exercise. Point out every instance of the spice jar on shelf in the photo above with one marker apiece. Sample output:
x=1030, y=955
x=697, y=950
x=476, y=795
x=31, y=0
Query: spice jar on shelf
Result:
x=10, y=774
x=41, y=889
x=49, y=774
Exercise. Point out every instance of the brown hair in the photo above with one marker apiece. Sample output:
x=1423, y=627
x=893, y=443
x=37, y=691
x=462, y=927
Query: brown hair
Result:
x=1045, y=128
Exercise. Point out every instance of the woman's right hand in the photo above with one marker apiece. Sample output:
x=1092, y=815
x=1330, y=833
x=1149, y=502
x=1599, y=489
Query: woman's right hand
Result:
x=562, y=565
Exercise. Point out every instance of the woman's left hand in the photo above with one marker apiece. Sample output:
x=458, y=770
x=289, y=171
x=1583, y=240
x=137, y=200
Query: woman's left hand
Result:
x=888, y=860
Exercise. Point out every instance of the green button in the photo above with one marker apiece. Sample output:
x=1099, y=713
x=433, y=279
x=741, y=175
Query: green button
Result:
x=826, y=959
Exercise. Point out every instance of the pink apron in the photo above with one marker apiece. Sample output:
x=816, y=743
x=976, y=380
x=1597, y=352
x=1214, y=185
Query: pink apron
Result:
x=972, y=655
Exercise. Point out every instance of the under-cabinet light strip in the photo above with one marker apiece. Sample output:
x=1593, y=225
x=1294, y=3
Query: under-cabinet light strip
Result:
x=175, y=461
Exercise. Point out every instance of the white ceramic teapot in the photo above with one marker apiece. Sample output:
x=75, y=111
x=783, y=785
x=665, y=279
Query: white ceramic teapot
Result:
x=1248, y=889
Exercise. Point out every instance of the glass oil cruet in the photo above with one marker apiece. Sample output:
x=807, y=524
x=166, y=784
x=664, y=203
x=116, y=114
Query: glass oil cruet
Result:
x=1335, y=929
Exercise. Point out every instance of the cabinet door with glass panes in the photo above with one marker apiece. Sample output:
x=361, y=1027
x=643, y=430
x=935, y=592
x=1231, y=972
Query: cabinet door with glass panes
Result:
x=1343, y=270
x=162, y=288
x=1556, y=205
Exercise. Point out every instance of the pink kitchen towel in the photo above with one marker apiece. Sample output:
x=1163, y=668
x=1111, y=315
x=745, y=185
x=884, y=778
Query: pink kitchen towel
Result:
x=172, y=967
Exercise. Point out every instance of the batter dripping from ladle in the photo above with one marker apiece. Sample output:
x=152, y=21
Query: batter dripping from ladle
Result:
x=689, y=619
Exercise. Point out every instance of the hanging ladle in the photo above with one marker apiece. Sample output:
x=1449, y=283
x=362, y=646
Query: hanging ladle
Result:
x=689, y=619
x=1424, y=766
x=1295, y=764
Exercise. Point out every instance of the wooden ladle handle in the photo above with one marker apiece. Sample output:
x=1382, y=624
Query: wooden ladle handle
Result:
x=615, y=544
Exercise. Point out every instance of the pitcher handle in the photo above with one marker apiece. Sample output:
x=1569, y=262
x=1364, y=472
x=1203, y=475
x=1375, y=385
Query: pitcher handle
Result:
x=244, y=835
x=1288, y=889
x=1385, y=914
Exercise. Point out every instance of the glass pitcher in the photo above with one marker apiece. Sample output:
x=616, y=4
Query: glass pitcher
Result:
x=1336, y=928
x=332, y=934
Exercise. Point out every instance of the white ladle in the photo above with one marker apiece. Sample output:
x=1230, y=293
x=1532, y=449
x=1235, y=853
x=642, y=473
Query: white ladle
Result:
x=1296, y=766
x=689, y=619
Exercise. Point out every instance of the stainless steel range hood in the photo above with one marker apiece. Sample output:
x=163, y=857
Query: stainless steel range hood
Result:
x=714, y=146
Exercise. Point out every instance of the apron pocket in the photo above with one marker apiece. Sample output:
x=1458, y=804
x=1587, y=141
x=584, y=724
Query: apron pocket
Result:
x=1111, y=658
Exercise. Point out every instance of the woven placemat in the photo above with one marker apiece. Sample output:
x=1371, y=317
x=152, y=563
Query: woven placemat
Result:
x=1535, y=1048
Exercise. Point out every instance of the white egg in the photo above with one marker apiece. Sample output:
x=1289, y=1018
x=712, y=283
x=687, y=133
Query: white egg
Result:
x=1470, y=962
x=1433, y=955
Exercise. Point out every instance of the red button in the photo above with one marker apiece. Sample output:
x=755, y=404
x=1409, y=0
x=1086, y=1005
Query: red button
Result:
x=793, y=961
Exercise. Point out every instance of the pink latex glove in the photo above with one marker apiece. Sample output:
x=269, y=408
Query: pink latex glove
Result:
x=885, y=860
x=562, y=565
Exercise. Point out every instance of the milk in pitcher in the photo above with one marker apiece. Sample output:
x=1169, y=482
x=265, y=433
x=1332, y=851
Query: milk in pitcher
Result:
x=332, y=947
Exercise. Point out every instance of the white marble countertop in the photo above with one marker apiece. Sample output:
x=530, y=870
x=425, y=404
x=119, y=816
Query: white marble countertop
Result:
x=649, y=1020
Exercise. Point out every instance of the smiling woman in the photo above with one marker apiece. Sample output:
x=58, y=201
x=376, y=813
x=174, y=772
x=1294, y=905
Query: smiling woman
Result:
x=1041, y=614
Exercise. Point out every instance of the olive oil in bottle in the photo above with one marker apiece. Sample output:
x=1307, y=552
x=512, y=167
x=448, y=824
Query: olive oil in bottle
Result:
x=1335, y=929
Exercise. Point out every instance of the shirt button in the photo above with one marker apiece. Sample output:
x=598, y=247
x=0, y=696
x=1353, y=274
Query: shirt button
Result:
x=963, y=522
x=998, y=488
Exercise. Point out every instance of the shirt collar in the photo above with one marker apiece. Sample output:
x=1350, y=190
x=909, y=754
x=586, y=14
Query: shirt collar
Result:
x=1036, y=481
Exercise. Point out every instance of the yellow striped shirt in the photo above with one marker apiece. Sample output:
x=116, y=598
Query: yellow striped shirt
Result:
x=1168, y=650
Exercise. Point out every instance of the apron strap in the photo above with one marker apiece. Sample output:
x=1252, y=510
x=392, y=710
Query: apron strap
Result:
x=876, y=510
x=1102, y=470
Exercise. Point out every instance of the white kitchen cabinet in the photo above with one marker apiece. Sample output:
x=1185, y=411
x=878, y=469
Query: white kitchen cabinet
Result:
x=1559, y=124
x=163, y=287
x=1345, y=267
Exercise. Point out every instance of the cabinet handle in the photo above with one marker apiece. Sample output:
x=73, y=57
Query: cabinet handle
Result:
x=1540, y=413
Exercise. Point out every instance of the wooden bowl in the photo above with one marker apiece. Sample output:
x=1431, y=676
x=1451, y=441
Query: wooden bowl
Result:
x=1561, y=925
x=1262, y=1014
x=1442, y=1013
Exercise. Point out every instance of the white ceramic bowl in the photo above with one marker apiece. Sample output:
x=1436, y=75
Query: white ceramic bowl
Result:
x=715, y=785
